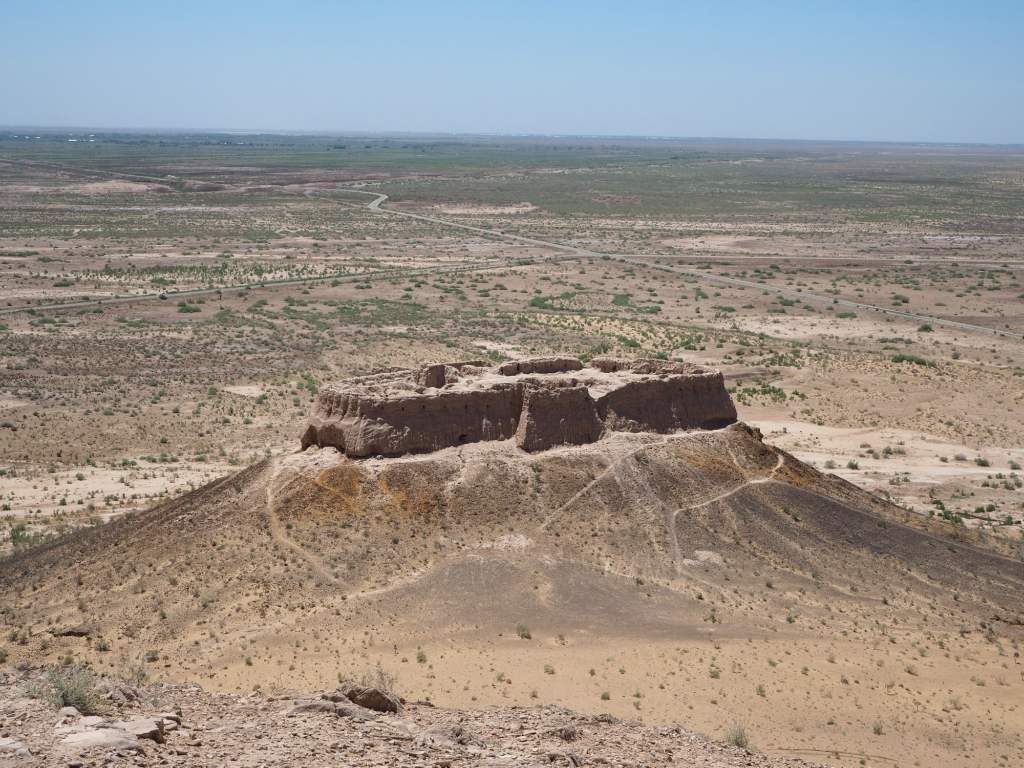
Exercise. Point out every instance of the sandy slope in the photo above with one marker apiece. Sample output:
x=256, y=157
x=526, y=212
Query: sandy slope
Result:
x=704, y=578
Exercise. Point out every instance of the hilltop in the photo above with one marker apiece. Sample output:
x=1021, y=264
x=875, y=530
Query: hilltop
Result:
x=698, y=572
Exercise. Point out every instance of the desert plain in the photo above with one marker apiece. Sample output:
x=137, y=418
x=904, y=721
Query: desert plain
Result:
x=171, y=306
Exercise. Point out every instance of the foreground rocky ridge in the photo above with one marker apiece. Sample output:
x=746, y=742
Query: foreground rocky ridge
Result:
x=542, y=402
x=184, y=725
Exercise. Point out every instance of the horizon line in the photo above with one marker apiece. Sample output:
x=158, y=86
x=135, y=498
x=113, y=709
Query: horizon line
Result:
x=348, y=132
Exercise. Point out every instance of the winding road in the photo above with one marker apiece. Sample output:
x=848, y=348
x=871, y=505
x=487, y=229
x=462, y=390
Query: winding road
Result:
x=567, y=251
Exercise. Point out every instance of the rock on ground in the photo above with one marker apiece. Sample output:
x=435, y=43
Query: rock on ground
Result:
x=250, y=730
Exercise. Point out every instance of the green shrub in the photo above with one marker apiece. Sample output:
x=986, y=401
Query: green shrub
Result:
x=737, y=737
x=71, y=686
x=905, y=358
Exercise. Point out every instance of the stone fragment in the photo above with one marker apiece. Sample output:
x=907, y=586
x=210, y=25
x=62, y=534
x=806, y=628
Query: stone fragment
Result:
x=312, y=705
x=77, y=630
x=376, y=699
x=151, y=728
x=11, y=746
x=104, y=738
x=349, y=710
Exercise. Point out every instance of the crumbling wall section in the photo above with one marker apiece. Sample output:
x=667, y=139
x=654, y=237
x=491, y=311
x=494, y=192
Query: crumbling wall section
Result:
x=690, y=401
x=543, y=402
x=540, y=365
x=363, y=425
x=562, y=416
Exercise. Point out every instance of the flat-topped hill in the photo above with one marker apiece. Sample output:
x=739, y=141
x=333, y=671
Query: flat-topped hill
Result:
x=684, y=571
x=541, y=402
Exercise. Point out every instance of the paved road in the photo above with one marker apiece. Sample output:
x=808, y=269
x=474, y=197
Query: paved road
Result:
x=568, y=251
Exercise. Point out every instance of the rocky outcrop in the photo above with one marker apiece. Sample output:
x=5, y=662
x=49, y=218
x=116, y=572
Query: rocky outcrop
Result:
x=254, y=728
x=367, y=696
x=542, y=402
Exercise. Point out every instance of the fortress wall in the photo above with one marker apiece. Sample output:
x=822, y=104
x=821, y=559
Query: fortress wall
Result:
x=689, y=401
x=563, y=416
x=540, y=365
x=644, y=366
x=364, y=425
x=416, y=411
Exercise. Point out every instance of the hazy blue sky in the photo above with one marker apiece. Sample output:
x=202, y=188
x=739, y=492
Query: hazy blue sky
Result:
x=902, y=70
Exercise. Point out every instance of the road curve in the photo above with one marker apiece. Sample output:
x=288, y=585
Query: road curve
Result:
x=568, y=251
x=644, y=260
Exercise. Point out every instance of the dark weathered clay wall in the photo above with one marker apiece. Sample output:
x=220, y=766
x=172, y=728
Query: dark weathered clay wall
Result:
x=364, y=425
x=403, y=412
x=563, y=416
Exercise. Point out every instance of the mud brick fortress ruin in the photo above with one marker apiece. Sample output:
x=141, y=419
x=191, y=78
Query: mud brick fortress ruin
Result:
x=541, y=402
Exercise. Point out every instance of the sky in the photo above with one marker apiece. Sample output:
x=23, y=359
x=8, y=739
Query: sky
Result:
x=874, y=71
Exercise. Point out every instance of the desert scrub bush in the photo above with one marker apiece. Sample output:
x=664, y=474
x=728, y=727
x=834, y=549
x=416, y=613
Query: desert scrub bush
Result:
x=132, y=671
x=376, y=677
x=737, y=737
x=904, y=358
x=70, y=686
x=523, y=632
x=22, y=538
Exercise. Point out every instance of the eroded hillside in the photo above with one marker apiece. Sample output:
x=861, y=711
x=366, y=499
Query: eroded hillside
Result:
x=697, y=569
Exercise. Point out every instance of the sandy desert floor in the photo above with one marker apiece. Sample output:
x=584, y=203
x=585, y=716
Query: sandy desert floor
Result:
x=211, y=294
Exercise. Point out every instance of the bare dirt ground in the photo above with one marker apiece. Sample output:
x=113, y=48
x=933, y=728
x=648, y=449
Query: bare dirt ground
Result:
x=107, y=409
